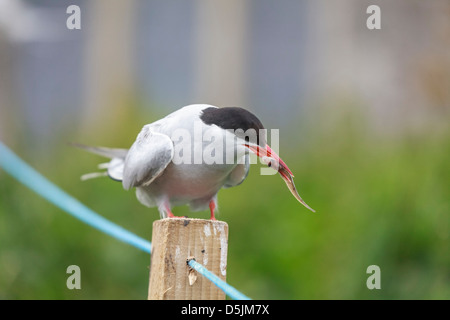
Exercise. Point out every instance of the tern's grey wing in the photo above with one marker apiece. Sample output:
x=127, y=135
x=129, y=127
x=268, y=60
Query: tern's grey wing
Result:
x=147, y=158
x=239, y=173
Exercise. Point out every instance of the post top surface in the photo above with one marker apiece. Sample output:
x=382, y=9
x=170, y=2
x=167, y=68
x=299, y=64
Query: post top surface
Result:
x=187, y=221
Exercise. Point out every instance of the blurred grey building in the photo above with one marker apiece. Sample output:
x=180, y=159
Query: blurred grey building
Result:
x=275, y=58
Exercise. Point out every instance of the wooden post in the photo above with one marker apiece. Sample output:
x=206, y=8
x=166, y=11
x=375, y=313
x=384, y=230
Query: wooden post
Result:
x=174, y=242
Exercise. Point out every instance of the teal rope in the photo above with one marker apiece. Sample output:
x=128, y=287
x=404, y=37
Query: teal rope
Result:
x=225, y=287
x=25, y=174
x=39, y=184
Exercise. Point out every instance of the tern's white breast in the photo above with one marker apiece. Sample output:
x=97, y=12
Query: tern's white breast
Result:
x=184, y=183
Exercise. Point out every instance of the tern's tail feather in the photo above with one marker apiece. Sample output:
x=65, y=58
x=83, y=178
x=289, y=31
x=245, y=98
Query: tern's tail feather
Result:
x=102, y=151
x=114, y=167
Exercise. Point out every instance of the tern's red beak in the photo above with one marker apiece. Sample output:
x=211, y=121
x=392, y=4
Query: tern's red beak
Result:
x=268, y=155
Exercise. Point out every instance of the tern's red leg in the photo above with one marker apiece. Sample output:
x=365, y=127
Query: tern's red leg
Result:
x=169, y=213
x=212, y=207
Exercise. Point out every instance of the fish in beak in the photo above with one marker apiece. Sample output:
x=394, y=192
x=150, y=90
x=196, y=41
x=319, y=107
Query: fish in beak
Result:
x=271, y=159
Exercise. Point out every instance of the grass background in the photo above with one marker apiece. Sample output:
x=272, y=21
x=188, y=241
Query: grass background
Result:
x=381, y=199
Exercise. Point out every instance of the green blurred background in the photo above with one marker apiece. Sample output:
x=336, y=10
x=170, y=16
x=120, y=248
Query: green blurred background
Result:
x=364, y=125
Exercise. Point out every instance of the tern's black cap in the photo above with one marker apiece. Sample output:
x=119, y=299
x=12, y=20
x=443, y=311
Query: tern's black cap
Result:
x=236, y=119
